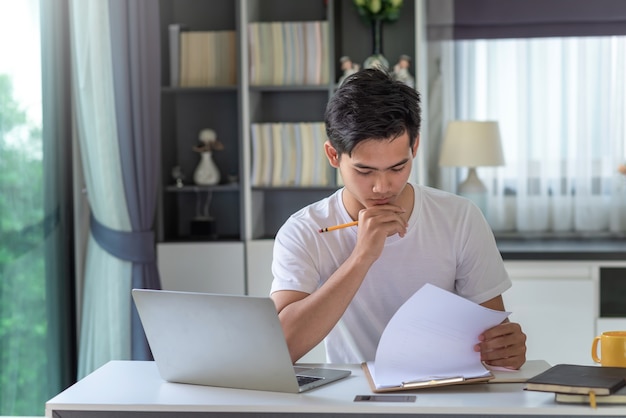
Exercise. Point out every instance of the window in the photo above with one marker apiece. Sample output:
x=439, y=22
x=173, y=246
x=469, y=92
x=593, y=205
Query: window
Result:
x=561, y=107
x=33, y=273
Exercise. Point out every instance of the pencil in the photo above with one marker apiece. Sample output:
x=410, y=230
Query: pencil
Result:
x=332, y=228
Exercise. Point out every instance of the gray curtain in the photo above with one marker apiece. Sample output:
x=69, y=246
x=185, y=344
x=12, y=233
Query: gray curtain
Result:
x=58, y=203
x=135, y=42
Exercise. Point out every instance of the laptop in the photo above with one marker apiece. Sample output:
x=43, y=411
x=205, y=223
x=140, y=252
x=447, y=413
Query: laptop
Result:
x=223, y=340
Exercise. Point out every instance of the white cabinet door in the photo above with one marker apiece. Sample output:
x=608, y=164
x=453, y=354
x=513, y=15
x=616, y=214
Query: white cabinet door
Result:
x=555, y=304
x=259, y=265
x=202, y=267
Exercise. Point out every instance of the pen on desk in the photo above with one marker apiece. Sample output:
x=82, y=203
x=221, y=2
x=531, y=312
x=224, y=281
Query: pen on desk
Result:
x=332, y=228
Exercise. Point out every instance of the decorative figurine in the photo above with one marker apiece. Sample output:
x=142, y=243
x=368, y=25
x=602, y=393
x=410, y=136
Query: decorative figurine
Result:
x=207, y=172
x=348, y=68
x=401, y=71
x=178, y=175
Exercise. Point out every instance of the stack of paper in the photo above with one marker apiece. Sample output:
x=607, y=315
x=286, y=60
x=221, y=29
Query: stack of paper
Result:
x=430, y=341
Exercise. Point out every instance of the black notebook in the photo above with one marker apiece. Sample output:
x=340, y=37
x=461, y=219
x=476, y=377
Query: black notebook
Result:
x=570, y=378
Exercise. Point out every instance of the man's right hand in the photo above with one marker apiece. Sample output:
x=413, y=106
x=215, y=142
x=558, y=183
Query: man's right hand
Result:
x=376, y=223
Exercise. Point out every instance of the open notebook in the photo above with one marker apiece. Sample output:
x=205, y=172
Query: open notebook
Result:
x=222, y=340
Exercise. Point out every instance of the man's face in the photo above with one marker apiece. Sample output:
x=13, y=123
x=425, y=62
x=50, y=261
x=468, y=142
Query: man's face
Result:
x=376, y=172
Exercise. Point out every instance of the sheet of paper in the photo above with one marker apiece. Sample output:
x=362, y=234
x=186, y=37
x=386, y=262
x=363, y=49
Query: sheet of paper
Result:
x=432, y=336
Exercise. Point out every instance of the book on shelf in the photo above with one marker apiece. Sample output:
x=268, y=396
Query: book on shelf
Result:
x=579, y=379
x=288, y=43
x=208, y=58
x=298, y=151
x=288, y=154
x=278, y=167
x=267, y=162
x=617, y=398
x=450, y=324
x=278, y=46
x=314, y=52
x=254, y=53
x=288, y=53
x=299, y=53
x=256, y=172
x=174, y=30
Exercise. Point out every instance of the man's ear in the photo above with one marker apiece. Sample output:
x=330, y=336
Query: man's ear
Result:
x=331, y=154
x=415, y=146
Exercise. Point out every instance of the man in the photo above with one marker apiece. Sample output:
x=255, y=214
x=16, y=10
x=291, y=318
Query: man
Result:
x=343, y=286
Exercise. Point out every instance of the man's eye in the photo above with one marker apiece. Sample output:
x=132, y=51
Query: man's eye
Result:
x=363, y=173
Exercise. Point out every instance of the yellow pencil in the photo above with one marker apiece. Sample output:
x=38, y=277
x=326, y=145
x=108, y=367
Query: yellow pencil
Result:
x=332, y=228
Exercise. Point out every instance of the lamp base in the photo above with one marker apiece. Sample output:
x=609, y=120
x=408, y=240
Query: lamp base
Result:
x=475, y=190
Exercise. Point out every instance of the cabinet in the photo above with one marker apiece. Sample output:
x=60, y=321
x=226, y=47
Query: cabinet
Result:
x=556, y=304
x=562, y=305
x=268, y=206
x=244, y=213
x=185, y=112
x=202, y=267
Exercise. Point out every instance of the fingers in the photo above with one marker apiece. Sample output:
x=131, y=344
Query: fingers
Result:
x=375, y=225
x=503, y=345
x=387, y=218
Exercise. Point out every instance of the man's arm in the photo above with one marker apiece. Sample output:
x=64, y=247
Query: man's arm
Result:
x=307, y=318
x=503, y=345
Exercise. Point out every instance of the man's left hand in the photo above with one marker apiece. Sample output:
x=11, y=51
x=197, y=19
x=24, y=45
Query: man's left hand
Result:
x=503, y=345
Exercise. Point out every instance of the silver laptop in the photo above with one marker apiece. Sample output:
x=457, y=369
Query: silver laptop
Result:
x=222, y=340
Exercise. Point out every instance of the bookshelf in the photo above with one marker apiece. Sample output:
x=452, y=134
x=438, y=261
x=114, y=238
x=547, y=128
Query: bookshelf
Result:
x=246, y=213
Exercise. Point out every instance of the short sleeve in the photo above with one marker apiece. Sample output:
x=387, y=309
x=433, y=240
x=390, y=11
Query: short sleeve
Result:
x=293, y=265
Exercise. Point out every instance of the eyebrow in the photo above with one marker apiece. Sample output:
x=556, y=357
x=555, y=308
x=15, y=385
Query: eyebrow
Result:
x=367, y=167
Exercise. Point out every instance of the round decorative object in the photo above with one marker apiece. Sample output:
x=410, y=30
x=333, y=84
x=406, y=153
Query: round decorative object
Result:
x=207, y=172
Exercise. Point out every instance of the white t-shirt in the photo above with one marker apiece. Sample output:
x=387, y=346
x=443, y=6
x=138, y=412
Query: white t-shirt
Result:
x=448, y=244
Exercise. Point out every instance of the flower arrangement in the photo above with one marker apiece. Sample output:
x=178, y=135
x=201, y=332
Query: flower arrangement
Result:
x=383, y=10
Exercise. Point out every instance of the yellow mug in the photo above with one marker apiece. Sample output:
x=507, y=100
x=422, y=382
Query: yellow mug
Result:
x=612, y=349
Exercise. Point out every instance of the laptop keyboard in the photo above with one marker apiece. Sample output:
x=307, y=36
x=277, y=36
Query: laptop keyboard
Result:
x=303, y=380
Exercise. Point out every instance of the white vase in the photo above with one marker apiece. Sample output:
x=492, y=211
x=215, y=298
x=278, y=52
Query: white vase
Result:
x=207, y=172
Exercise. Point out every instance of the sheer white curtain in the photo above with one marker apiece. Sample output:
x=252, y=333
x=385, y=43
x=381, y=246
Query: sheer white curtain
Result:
x=105, y=321
x=561, y=106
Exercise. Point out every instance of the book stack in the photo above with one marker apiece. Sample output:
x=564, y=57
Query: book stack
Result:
x=582, y=384
x=288, y=53
x=289, y=154
x=202, y=58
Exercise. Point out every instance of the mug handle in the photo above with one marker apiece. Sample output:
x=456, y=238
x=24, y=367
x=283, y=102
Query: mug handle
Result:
x=594, y=350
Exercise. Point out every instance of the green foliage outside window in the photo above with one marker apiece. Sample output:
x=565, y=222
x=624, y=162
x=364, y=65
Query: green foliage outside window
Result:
x=23, y=325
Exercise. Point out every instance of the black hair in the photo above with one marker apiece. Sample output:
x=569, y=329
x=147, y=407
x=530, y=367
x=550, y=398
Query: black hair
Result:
x=370, y=104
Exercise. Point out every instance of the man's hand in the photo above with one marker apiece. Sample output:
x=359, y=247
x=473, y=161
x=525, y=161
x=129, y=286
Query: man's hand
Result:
x=375, y=225
x=503, y=345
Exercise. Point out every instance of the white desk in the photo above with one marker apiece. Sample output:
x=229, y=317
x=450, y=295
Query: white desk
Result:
x=134, y=389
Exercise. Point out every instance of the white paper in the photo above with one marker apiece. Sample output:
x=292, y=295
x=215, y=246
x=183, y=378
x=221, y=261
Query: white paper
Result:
x=432, y=336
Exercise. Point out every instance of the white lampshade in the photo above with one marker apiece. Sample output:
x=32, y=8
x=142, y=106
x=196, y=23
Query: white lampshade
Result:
x=471, y=144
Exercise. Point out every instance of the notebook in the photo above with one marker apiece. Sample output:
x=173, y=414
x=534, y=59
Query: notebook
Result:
x=223, y=340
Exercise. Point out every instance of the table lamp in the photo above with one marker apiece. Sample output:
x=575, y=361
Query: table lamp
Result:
x=472, y=144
